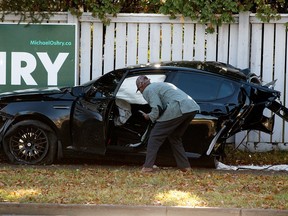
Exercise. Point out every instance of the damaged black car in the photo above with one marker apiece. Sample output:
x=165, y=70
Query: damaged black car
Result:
x=101, y=119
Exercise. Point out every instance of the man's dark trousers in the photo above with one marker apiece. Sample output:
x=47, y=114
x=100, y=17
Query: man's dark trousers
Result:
x=172, y=130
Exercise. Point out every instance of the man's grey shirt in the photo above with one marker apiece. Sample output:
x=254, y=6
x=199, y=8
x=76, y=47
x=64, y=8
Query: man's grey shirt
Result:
x=173, y=100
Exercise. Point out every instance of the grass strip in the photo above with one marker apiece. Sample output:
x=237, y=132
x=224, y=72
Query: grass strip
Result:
x=126, y=185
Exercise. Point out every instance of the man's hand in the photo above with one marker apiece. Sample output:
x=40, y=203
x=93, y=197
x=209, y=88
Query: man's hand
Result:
x=145, y=115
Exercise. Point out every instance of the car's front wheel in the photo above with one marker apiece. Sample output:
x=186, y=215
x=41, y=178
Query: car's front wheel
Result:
x=30, y=142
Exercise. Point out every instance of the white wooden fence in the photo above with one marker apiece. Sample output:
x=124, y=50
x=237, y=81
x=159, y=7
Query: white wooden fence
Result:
x=140, y=38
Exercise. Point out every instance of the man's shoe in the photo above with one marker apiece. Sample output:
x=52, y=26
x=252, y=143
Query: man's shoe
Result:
x=185, y=169
x=147, y=170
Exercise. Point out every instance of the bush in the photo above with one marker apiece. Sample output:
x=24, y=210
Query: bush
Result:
x=212, y=12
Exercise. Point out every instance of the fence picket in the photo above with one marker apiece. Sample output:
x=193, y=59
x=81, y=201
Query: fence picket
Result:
x=97, y=59
x=85, y=43
x=243, y=56
x=256, y=49
x=255, y=64
x=132, y=44
x=200, y=43
x=223, y=43
x=279, y=74
x=166, y=42
x=143, y=43
x=177, y=42
x=154, y=42
x=120, y=45
x=188, y=46
x=268, y=61
x=211, y=47
x=233, y=44
x=109, y=48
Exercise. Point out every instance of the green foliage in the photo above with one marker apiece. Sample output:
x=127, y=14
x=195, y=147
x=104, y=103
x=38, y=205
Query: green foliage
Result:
x=216, y=12
x=27, y=9
x=37, y=10
x=266, y=12
x=211, y=12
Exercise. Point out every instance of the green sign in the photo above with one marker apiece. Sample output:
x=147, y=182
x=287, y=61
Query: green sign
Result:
x=37, y=55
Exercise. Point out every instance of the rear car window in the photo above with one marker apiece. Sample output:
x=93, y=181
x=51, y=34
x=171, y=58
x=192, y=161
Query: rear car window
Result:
x=203, y=87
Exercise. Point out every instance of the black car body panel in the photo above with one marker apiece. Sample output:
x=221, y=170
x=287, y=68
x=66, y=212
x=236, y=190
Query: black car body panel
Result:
x=85, y=119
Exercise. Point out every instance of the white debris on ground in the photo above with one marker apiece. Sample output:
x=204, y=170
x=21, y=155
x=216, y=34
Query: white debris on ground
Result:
x=282, y=167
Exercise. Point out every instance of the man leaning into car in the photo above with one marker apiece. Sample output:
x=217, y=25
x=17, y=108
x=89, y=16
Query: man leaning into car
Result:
x=172, y=110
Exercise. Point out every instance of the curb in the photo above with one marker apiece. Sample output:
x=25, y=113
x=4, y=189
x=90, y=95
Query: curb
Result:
x=119, y=210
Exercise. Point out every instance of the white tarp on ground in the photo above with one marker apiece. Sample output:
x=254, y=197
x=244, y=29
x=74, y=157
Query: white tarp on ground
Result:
x=282, y=167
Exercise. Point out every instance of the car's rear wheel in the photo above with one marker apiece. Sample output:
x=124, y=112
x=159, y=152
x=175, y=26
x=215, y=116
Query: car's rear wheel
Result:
x=30, y=142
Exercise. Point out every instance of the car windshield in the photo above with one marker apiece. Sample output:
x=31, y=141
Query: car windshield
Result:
x=89, y=83
x=104, y=85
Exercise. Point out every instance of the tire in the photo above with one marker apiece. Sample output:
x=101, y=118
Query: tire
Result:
x=30, y=142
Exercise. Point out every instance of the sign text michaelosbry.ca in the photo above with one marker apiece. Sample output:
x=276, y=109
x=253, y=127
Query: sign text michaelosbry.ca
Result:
x=36, y=56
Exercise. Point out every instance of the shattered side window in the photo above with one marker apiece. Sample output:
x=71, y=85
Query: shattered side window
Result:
x=106, y=85
x=127, y=90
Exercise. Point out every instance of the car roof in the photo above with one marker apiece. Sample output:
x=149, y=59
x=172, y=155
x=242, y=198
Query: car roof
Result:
x=210, y=66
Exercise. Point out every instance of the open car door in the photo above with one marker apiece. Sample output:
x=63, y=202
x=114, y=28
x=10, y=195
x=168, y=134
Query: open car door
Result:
x=89, y=124
x=91, y=113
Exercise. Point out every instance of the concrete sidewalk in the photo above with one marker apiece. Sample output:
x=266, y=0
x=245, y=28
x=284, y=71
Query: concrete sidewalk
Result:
x=111, y=210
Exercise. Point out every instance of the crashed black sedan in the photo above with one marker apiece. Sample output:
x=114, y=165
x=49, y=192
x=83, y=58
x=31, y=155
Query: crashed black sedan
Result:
x=101, y=118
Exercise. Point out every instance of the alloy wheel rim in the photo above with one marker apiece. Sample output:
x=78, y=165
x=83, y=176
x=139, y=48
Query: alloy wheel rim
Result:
x=29, y=144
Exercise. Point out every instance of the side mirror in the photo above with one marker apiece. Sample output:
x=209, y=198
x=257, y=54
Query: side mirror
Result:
x=77, y=91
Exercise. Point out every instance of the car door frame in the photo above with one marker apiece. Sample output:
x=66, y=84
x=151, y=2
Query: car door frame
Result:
x=90, y=117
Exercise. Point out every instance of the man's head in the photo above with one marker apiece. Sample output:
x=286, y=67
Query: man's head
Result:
x=141, y=83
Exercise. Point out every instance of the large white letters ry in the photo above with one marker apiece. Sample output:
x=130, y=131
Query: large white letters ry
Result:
x=23, y=64
x=18, y=71
x=52, y=68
